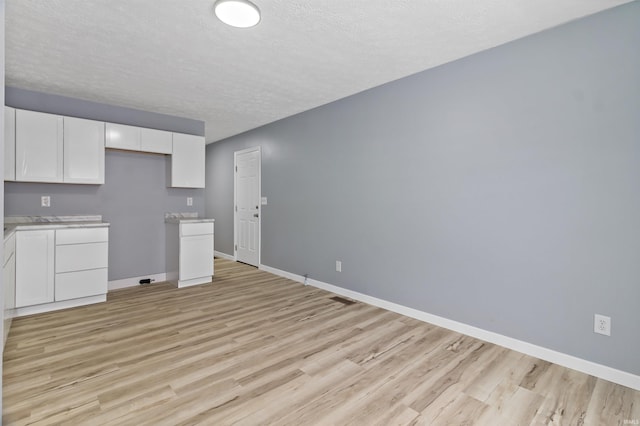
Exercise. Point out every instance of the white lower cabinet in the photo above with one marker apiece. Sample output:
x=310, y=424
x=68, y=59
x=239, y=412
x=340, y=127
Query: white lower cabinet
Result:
x=9, y=282
x=82, y=257
x=60, y=268
x=190, y=253
x=34, y=267
x=196, y=257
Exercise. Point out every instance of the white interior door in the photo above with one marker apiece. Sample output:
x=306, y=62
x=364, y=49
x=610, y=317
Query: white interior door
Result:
x=247, y=206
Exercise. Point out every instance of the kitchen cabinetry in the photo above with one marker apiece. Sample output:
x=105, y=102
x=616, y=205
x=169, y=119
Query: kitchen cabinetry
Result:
x=83, y=151
x=81, y=262
x=9, y=143
x=158, y=141
x=9, y=282
x=52, y=148
x=60, y=268
x=120, y=136
x=132, y=138
x=34, y=267
x=190, y=252
x=188, y=161
x=39, y=147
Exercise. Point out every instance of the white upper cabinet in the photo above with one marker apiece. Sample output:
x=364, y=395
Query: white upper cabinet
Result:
x=9, y=143
x=39, y=147
x=120, y=136
x=187, y=161
x=83, y=151
x=152, y=140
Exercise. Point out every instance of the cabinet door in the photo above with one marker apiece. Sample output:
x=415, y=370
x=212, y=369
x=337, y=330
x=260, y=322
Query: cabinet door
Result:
x=9, y=274
x=39, y=147
x=34, y=267
x=196, y=257
x=159, y=141
x=83, y=151
x=9, y=143
x=120, y=136
x=187, y=161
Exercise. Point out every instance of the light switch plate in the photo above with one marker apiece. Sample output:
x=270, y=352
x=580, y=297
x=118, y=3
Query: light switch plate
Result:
x=263, y=201
x=45, y=201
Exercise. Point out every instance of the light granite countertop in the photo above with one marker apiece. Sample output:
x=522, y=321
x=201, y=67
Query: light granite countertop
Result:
x=23, y=223
x=185, y=218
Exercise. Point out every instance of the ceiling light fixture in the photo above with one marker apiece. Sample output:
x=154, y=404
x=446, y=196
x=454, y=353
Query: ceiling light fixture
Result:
x=237, y=13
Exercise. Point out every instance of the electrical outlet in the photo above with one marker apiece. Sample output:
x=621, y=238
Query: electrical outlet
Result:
x=602, y=325
x=45, y=201
x=338, y=266
x=189, y=201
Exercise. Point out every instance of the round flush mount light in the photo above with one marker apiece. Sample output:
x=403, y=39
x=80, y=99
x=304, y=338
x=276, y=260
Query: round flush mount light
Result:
x=237, y=13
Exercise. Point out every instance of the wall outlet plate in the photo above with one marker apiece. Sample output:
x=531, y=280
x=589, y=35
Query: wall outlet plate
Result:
x=189, y=201
x=45, y=201
x=602, y=324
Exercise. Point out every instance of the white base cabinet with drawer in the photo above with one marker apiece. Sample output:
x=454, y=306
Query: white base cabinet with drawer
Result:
x=190, y=253
x=62, y=268
x=82, y=257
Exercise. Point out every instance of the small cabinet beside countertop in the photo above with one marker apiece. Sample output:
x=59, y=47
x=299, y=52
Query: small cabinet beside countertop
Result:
x=190, y=252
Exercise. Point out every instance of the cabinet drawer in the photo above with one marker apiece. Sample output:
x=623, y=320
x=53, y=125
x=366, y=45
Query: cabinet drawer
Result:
x=78, y=257
x=187, y=229
x=82, y=235
x=73, y=285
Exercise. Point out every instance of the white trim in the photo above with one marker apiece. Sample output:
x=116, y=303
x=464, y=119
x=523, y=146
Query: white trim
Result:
x=223, y=255
x=56, y=306
x=598, y=370
x=235, y=202
x=134, y=281
x=193, y=281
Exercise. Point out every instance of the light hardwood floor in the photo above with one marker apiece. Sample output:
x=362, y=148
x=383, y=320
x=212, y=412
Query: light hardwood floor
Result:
x=253, y=348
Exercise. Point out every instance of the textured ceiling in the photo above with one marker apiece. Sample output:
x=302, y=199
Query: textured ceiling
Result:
x=174, y=57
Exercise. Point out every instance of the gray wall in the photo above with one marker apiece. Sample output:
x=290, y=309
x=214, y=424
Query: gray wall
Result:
x=500, y=190
x=134, y=197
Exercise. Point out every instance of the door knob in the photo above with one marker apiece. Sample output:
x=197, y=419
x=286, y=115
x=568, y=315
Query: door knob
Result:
x=255, y=215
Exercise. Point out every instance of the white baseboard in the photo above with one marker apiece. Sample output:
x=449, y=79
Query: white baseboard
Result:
x=598, y=370
x=223, y=255
x=55, y=306
x=134, y=281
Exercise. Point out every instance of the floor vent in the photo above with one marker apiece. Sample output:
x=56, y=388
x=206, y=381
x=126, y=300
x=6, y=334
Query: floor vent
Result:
x=343, y=300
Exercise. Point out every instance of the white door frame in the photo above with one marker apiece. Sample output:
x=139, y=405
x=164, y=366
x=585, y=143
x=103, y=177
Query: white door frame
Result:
x=235, y=201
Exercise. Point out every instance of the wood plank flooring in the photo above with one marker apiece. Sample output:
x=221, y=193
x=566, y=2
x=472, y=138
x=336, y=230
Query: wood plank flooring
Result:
x=253, y=348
